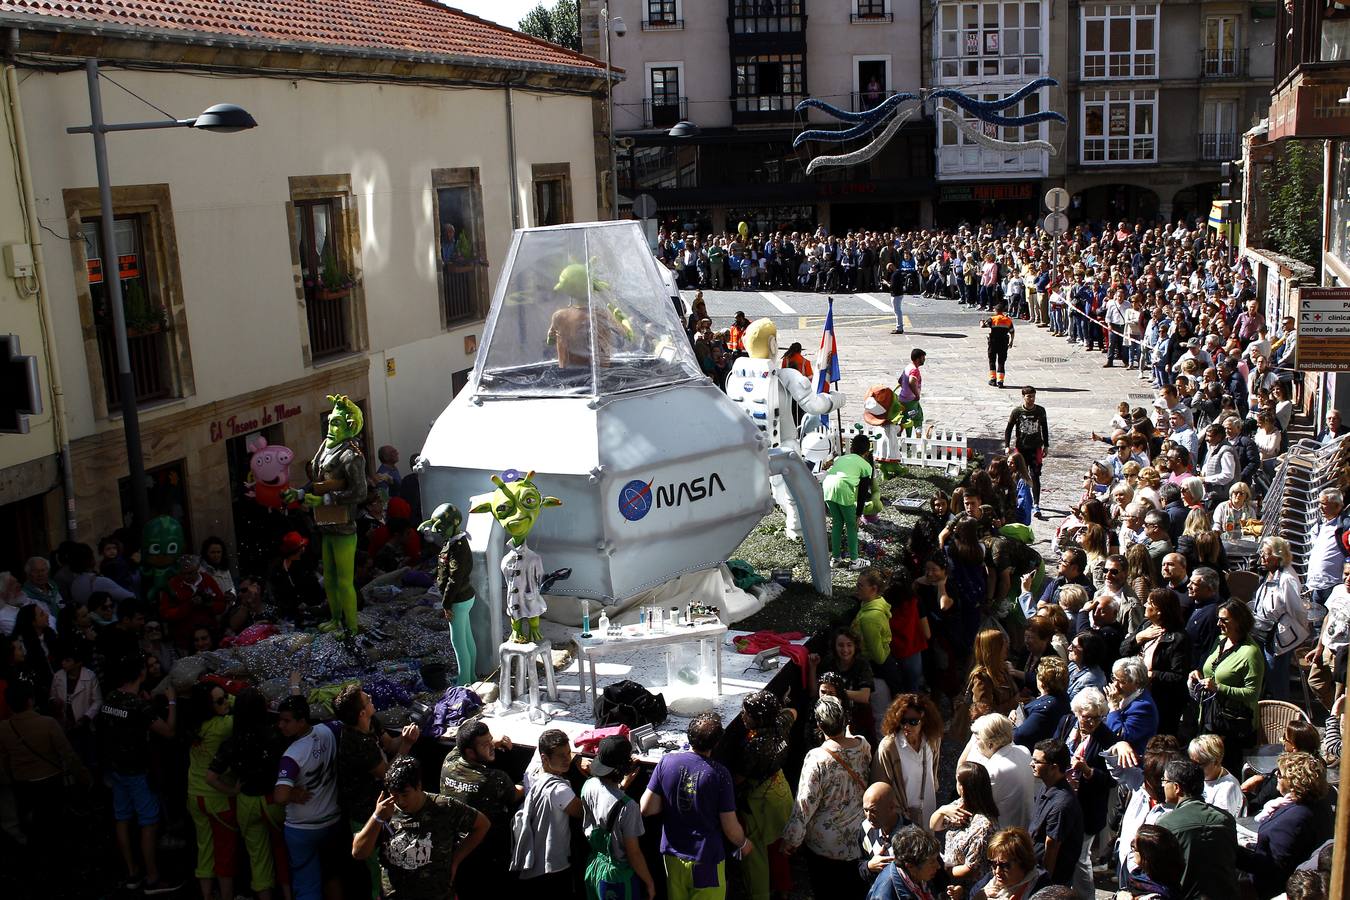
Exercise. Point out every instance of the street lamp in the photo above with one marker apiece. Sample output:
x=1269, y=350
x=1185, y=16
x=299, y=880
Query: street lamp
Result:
x=684, y=129
x=620, y=29
x=223, y=118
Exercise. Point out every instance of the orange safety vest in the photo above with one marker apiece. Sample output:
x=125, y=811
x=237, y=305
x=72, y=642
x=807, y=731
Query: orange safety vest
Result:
x=798, y=362
x=734, y=339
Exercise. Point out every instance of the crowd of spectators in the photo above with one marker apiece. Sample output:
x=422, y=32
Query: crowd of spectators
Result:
x=1102, y=705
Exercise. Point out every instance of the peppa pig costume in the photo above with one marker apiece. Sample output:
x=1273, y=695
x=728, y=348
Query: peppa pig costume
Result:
x=269, y=473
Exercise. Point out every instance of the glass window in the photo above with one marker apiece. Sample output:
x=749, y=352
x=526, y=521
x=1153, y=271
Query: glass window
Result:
x=460, y=229
x=1221, y=51
x=589, y=316
x=769, y=81
x=1339, y=243
x=988, y=39
x=661, y=11
x=1119, y=126
x=1120, y=41
x=143, y=311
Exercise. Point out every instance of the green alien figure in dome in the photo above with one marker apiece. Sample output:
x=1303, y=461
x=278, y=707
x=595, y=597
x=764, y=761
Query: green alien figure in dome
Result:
x=162, y=542
x=570, y=327
x=516, y=505
x=337, y=489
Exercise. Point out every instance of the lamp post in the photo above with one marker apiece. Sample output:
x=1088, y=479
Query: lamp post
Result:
x=223, y=118
x=619, y=29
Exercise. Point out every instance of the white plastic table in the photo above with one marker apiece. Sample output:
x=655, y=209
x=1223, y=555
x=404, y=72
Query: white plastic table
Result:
x=590, y=648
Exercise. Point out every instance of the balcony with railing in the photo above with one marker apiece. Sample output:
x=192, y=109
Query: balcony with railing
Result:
x=663, y=24
x=663, y=112
x=1223, y=62
x=874, y=14
x=764, y=108
x=1312, y=67
x=328, y=331
x=862, y=101
x=765, y=26
x=151, y=377
x=1221, y=146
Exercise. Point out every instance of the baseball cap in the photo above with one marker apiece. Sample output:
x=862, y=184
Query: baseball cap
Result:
x=1193, y=342
x=613, y=753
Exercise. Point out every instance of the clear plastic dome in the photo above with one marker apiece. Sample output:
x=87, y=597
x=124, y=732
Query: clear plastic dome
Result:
x=581, y=310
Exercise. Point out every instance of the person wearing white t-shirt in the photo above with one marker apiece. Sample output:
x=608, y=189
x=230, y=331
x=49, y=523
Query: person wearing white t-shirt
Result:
x=1222, y=789
x=1009, y=766
x=1327, y=661
x=307, y=787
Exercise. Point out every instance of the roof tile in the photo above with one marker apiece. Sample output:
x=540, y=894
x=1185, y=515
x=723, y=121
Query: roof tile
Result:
x=416, y=26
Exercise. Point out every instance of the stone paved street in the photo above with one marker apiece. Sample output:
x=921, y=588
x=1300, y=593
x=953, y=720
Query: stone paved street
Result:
x=1078, y=395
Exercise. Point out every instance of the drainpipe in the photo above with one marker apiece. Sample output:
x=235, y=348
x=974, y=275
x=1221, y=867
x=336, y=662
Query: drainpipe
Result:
x=40, y=270
x=511, y=156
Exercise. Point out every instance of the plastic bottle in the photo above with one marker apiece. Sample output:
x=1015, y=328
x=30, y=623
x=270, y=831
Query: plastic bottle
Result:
x=642, y=618
x=604, y=626
x=586, y=619
x=675, y=620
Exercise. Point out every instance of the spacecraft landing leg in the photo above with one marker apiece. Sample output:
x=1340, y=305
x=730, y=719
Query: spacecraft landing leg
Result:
x=788, y=469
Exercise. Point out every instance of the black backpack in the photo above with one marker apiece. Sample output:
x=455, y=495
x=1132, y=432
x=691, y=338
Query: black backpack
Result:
x=629, y=703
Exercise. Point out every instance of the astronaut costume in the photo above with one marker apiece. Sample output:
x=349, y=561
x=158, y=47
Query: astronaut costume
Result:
x=764, y=390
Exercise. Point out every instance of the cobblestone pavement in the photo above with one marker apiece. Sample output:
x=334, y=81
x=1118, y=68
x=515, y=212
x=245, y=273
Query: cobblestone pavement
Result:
x=1079, y=396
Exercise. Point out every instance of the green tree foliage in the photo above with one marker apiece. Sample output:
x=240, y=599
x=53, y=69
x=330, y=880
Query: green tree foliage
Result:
x=1294, y=185
x=557, y=25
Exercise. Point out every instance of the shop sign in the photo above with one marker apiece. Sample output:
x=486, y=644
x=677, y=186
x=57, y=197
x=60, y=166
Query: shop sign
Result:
x=845, y=189
x=1323, y=330
x=237, y=426
x=1015, y=190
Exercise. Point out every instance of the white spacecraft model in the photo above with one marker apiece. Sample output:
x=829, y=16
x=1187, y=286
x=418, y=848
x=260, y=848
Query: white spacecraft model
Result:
x=585, y=376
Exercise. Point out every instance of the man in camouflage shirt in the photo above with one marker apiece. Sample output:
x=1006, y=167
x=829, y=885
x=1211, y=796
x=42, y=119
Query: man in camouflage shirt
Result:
x=418, y=835
x=469, y=777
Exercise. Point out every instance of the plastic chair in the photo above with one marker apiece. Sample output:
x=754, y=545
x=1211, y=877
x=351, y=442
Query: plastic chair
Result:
x=1275, y=715
x=1242, y=584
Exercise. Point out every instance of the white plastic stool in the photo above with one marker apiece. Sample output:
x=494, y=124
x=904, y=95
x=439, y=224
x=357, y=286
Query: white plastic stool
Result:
x=522, y=658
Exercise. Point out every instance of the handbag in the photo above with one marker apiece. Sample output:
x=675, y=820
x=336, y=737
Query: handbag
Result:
x=1219, y=717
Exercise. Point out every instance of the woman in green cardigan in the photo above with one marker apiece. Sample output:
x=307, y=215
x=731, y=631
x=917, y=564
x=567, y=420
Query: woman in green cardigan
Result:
x=1235, y=670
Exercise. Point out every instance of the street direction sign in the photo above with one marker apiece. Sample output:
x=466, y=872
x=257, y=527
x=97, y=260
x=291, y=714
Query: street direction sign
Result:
x=1323, y=343
x=1056, y=223
x=1056, y=200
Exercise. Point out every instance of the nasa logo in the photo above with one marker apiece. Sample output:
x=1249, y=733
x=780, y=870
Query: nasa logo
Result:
x=748, y=386
x=637, y=498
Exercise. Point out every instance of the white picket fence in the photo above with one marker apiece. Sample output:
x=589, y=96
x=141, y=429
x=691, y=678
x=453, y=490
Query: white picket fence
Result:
x=932, y=447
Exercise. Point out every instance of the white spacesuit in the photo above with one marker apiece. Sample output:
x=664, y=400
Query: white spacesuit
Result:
x=765, y=390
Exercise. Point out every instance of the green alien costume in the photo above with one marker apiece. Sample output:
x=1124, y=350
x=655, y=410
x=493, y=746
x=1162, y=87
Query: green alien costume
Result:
x=338, y=476
x=454, y=566
x=516, y=505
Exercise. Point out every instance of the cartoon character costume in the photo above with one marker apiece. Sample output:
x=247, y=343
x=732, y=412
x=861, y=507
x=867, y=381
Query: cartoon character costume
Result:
x=269, y=475
x=454, y=566
x=337, y=489
x=516, y=505
x=162, y=542
x=765, y=391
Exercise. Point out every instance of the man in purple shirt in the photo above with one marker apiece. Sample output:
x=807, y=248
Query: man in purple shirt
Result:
x=695, y=799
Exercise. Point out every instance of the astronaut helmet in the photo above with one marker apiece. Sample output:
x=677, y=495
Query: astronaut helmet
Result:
x=816, y=449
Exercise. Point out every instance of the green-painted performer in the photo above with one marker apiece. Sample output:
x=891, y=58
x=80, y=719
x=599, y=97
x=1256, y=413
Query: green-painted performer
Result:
x=337, y=489
x=454, y=565
x=516, y=505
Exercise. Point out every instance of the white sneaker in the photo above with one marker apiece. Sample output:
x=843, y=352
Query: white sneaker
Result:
x=859, y=564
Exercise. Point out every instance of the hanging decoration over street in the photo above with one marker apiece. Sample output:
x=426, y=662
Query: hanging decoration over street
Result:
x=966, y=107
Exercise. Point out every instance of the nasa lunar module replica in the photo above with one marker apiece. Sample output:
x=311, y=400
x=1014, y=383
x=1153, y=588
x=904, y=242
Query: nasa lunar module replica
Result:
x=585, y=376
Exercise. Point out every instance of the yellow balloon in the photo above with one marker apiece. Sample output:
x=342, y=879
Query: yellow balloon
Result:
x=743, y=229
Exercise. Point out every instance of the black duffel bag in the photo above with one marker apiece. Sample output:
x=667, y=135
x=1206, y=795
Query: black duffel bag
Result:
x=629, y=703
